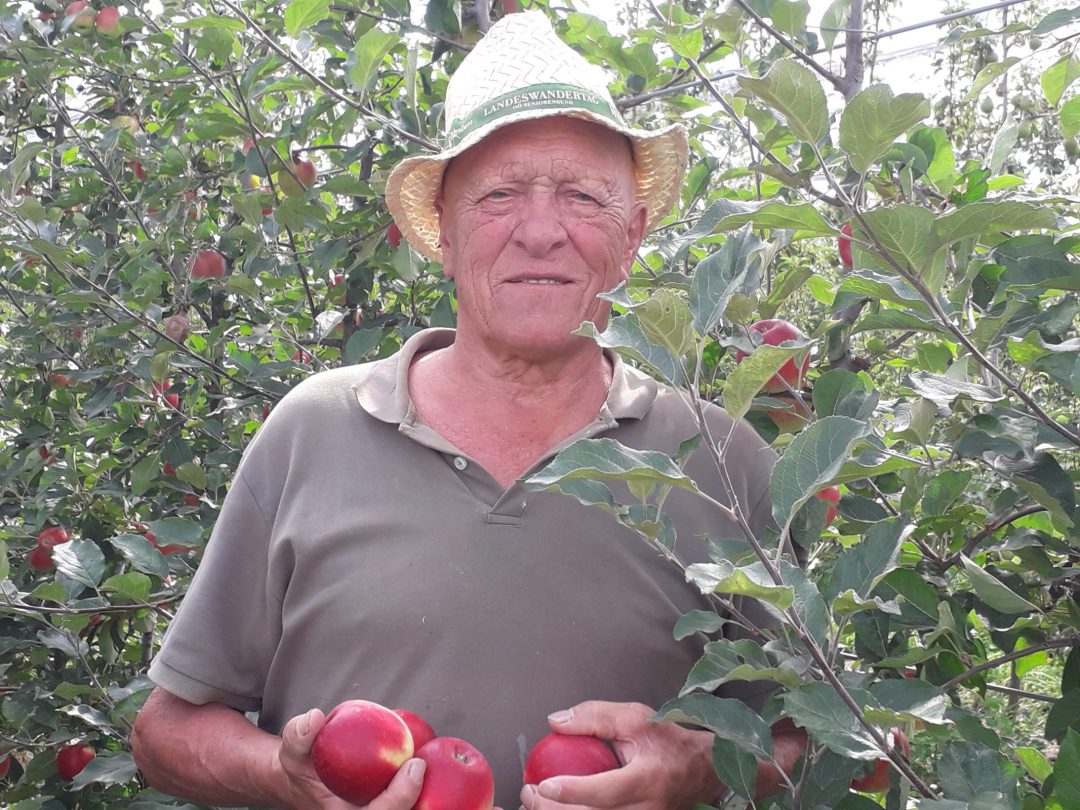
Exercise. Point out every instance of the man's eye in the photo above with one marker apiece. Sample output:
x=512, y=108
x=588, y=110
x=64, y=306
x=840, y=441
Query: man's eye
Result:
x=498, y=194
x=581, y=196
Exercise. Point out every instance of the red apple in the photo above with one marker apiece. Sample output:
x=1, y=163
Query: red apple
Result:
x=774, y=332
x=172, y=400
x=168, y=469
x=71, y=759
x=5, y=764
x=41, y=558
x=877, y=781
x=303, y=176
x=421, y=731
x=62, y=380
x=302, y=356
x=108, y=24
x=158, y=389
x=843, y=245
x=265, y=412
x=359, y=749
x=831, y=496
x=191, y=500
x=52, y=536
x=568, y=755
x=457, y=777
x=43, y=451
x=208, y=264
x=393, y=235
x=135, y=165
x=82, y=15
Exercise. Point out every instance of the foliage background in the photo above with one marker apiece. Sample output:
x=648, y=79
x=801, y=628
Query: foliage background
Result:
x=943, y=392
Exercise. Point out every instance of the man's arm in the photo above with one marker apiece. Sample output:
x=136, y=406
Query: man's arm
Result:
x=665, y=766
x=214, y=755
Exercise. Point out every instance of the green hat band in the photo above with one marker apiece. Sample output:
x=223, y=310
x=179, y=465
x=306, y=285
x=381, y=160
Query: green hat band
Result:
x=531, y=98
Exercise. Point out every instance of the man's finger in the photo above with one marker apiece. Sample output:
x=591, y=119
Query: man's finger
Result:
x=404, y=788
x=299, y=734
x=603, y=719
x=616, y=788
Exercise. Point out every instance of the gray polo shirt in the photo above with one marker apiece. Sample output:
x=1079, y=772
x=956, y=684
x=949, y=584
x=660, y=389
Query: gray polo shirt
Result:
x=360, y=555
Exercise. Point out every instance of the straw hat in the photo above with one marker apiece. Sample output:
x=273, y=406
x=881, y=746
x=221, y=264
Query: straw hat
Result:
x=519, y=71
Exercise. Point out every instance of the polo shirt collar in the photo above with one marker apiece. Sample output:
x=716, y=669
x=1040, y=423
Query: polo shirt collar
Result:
x=382, y=387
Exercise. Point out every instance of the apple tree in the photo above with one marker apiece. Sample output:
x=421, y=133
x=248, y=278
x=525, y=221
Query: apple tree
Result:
x=191, y=221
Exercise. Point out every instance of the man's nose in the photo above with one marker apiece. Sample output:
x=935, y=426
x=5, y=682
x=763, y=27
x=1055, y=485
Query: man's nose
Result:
x=541, y=229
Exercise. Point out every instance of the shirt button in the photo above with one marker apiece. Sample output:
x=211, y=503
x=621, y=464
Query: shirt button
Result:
x=460, y=462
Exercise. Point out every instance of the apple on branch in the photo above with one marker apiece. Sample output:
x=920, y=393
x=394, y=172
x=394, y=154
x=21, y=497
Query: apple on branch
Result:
x=877, y=781
x=207, y=264
x=843, y=245
x=302, y=177
x=831, y=496
x=81, y=15
x=108, y=23
x=71, y=759
x=773, y=333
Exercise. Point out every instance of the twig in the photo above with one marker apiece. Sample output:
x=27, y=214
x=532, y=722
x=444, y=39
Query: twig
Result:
x=994, y=663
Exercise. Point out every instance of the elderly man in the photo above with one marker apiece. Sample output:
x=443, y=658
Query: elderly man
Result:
x=376, y=542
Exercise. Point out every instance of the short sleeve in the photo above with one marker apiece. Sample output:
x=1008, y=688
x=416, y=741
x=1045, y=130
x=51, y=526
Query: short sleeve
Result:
x=219, y=646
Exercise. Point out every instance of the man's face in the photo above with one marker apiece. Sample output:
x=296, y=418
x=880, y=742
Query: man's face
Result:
x=536, y=220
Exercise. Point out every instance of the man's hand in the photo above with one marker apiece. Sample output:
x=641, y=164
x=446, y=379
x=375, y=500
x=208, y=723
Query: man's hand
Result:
x=307, y=791
x=665, y=766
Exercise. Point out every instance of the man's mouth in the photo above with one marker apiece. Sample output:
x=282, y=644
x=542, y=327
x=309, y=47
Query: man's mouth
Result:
x=539, y=281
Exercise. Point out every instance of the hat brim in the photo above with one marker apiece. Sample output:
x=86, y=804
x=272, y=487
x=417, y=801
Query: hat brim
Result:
x=660, y=158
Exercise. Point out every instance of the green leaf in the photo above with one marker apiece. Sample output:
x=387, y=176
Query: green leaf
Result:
x=986, y=218
x=625, y=335
x=180, y=531
x=908, y=700
x=804, y=218
x=748, y=377
x=367, y=55
x=736, y=767
x=1056, y=78
x=666, y=321
x=935, y=144
x=697, y=621
x=736, y=267
x=118, y=769
x=789, y=16
x=813, y=457
x=132, y=585
x=1067, y=771
x=966, y=770
x=608, y=459
x=994, y=592
x=904, y=232
x=214, y=21
x=80, y=561
x=141, y=554
x=944, y=390
x=1036, y=763
x=727, y=718
x=1056, y=19
x=1002, y=147
x=301, y=14
x=988, y=74
x=361, y=343
x=5, y=564
x=860, y=567
x=795, y=92
x=1070, y=117
x=1049, y=485
x=818, y=708
x=895, y=320
x=833, y=21
x=874, y=119
x=743, y=660
x=1064, y=715
x=748, y=581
